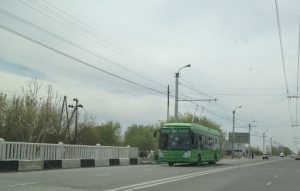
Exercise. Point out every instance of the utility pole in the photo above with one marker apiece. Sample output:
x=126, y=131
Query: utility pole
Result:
x=233, y=127
x=168, y=104
x=249, y=138
x=66, y=132
x=76, y=116
x=233, y=121
x=176, y=90
x=64, y=106
x=250, y=135
x=275, y=148
x=176, y=96
x=264, y=135
x=271, y=145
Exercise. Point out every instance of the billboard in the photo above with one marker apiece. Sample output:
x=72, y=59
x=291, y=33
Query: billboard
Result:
x=243, y=138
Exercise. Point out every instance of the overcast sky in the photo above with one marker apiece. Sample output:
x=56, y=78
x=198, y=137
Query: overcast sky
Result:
x=233, y=47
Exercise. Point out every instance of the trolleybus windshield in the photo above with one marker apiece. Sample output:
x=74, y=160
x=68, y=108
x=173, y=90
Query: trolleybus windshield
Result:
x=175, y=139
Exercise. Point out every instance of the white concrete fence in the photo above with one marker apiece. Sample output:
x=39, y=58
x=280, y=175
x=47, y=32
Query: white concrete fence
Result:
x=60, y=151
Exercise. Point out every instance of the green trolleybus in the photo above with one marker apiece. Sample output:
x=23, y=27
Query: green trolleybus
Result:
x=188, y=143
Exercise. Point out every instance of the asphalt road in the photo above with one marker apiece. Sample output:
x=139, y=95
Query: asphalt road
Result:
x=227, y=175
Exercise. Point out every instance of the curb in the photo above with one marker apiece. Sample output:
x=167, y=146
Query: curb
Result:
x=28, y=165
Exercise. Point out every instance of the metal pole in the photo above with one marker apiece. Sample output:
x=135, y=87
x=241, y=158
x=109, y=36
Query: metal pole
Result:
x=263, y=142
x=76, y=119
x=176, y=96
x=233, y=119
x=249, y=137
x=168, y=104
x=275, y=148
x=271, y=145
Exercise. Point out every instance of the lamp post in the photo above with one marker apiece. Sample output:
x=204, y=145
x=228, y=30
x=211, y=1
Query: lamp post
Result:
x=233, y=121
x=264, y=136
x=271, y=145
x=250, y=135
x=176, y=90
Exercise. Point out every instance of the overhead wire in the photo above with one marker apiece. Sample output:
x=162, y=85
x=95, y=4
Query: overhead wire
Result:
x=283, y=58
x=64, y=40
x=74, y=24
x=68, y=20
x=78, y=60
x=194, y=89
x=28, y=23
x=210, y=111
x=165, y=93
x=296, y=128
x=297, y=93
x=97, y=33
x=281, y=46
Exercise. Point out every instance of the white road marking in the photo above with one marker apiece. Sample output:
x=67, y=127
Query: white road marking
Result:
x=269, y=183
x=23, y=184
x=102, y=175
x=181, y=177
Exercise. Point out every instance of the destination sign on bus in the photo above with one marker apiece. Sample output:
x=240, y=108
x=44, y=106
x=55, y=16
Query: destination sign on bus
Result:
x=165, y=130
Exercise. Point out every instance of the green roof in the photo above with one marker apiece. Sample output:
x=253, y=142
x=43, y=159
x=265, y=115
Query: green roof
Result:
x=194, y=127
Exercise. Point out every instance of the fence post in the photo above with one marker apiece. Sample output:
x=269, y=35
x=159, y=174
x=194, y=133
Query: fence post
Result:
x=2, y=149
x=128, y=151
x=97, y=151
x=60, y=151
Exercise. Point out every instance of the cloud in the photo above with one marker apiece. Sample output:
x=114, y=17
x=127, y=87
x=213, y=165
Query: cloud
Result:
x=19, y=69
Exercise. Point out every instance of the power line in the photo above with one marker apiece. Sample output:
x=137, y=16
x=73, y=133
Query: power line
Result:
x=194, y=89
x=89, y=65
x=78, y=60
x=97, y=33
x=298, y=76
x=249, y=95
x=282, y=57
x=74, y=24
x=28, y=23
x=281, y=46
x=201, y=93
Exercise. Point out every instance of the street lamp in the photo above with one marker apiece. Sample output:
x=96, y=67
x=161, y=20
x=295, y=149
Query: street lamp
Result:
x=271, y=145
x=176, y=90
x=233, y=121
x=250, y=134
x=264, y=136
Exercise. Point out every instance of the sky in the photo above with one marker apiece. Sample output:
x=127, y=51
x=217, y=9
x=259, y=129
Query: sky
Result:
x=118, y=57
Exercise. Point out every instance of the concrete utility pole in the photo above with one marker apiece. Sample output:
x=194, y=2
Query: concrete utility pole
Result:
x=233, y=126
x=264, y=136
x=250, y=136
x=76, y=116
x=271, y=145
x=176, y=90
x=168, y=104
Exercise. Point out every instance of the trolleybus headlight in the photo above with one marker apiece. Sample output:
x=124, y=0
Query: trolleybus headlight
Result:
x=160, y=153
x=186, y=154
